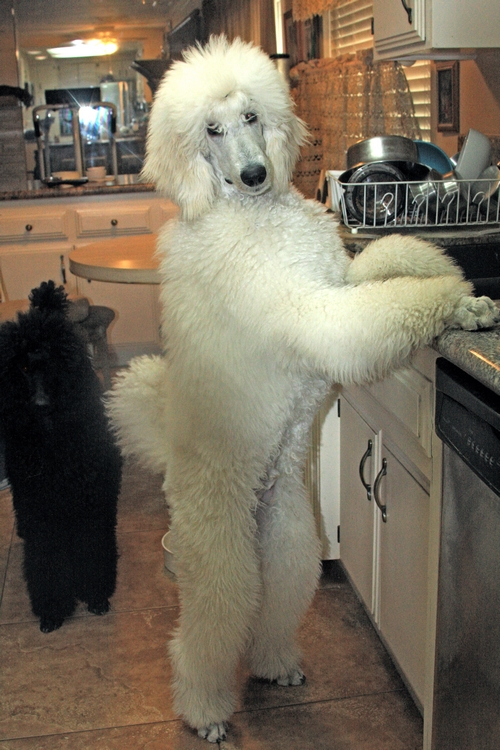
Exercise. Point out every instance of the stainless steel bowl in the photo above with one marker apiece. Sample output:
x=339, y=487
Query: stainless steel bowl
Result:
x=382, y=148
x=373, y=194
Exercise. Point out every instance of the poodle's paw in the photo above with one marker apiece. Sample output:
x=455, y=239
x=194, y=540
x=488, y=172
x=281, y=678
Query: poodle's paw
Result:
x=475, y=312
x=99, y=605
x=214, y=732
x=293, y=678
x=48, y=624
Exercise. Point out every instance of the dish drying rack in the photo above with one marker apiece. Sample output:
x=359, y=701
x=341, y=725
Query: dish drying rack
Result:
x=434, y=204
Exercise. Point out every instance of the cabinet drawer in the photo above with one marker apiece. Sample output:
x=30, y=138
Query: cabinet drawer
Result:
x=16, y=227
x=407, y=396
x=113, y=222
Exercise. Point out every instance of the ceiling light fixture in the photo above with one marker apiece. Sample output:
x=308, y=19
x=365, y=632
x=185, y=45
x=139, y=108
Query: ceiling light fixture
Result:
x=85, y=48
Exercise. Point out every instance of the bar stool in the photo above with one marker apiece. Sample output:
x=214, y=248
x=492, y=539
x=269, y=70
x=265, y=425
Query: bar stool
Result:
x=92, y=321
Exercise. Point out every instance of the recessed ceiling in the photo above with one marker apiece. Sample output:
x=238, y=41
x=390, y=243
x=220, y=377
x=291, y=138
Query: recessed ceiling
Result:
x=54, y=22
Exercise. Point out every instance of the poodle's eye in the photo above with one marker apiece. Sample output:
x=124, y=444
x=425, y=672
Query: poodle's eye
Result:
x=250, y=117
x=213, y=129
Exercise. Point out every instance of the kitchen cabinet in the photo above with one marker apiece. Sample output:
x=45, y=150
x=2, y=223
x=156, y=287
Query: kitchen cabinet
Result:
x=357, y=515
x=36, y=237
x=402, y=575
x=433, y=28
x=385, y=511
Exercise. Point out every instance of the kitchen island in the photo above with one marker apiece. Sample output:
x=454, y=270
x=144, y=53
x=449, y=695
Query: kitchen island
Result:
x=40, y=227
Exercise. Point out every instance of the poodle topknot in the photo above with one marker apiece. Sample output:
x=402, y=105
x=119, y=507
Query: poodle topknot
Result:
x=177, y=154
x=48, y=297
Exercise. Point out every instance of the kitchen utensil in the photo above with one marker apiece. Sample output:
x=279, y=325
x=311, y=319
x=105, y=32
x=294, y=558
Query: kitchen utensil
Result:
x=486, y=185
x=379, y=200
x=433, y=157
x=382, y=148
x=450, y=197
x=425, y=197
x=474, y=156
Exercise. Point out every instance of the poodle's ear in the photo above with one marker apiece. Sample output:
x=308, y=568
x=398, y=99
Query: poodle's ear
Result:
x=174, y=154
x=283, y=143
x=177, y=166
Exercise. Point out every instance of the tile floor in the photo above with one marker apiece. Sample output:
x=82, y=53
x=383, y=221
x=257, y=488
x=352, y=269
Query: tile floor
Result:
x=102, y=683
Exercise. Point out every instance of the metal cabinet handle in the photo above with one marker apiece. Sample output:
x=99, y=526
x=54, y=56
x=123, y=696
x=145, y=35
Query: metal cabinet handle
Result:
x=408, y=10
x=28, y=227
x=376, y=485
x=114, y=222
x=365, y=456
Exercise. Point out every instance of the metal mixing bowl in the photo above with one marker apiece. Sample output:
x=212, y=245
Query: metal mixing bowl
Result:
x=382, y=148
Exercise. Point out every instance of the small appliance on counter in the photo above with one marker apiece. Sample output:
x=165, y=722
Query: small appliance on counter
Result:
x=78, y=137
x=43, y=125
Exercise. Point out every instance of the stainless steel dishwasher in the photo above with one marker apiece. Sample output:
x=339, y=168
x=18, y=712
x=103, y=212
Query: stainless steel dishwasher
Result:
x=467, y=680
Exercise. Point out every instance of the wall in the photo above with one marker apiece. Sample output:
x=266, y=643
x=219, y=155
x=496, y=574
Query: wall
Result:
x=479, y=99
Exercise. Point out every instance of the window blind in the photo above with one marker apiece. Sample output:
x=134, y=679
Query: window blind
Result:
x=418, y=76
x=350, y=24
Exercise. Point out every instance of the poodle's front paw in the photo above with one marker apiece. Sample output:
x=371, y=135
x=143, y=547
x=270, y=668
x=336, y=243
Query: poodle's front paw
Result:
x=48, y=624
x=475, y=312
x=99, y=605
x=295, y=677
x=214, y=732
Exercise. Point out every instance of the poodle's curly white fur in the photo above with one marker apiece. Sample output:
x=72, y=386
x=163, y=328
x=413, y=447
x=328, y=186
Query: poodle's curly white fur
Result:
x=262, y=311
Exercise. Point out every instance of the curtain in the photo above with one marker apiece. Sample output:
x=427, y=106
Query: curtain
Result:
x=344, y=100
x=252, y=20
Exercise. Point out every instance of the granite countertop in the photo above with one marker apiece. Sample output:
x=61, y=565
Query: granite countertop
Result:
x=475, y=352
x=123, y=185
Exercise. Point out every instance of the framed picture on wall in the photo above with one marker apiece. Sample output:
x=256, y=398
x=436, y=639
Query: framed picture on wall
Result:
x=302, y=38
x=448, y=96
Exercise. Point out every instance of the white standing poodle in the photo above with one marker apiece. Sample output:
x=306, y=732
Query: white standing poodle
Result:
x=263, y=310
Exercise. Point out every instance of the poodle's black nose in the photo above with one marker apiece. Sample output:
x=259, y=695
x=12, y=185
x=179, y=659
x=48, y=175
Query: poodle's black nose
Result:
x=254, y=175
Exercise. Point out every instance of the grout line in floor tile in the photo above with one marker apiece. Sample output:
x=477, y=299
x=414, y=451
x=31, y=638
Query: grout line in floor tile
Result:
x=319, y=701
x=4, y=577
x=82, y=732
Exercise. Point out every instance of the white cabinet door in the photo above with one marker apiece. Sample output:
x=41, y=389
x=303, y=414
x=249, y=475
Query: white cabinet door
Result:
x=404, y=28
x=403, y=573
x=22, y=271
x=398, y=23
x=356, y=509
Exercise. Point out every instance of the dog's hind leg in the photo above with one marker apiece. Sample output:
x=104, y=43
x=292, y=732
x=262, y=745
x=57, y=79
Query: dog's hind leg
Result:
x=290, y=572
x=213, y=530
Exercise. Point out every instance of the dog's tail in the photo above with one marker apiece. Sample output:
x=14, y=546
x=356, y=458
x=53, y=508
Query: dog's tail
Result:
x=48, y=297
x=136, y=405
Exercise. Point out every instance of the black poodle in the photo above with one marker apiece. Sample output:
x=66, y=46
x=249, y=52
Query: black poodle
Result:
x=61, y=459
